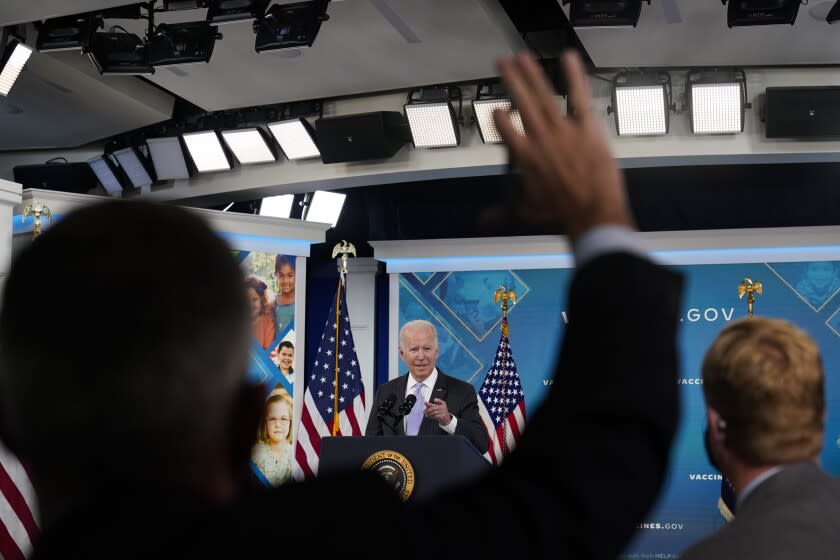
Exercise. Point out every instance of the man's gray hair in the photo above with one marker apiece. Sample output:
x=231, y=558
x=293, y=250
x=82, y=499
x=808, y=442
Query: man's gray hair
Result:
x=417, y=324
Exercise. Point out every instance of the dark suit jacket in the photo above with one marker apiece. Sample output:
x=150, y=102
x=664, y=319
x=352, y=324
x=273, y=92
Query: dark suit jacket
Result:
x=460, y=399
x=793, y=514
x=587, y=468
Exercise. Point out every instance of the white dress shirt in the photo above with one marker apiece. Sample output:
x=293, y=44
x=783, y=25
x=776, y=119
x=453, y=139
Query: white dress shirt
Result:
x=426, y=392
x=607, y=238
x=754, y=483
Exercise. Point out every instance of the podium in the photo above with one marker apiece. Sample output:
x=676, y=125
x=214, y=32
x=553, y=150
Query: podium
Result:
x=417, y=466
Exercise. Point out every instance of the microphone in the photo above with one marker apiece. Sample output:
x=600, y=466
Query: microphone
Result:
x=407, y=405
x=385, y=407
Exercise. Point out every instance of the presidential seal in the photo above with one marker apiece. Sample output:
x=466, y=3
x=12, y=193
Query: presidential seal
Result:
x=395, y=468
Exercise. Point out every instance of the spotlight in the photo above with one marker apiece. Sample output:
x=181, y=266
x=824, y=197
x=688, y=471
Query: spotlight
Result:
x=432, y=118
x=136, y=167
x=168, y=158
x=227, y=11
x=66, y=33
x=641, y=103
x=250, y=145
x=119, y=53
x=717, y=101
x=489, y=98
x=296, y=138
x=182, y=43
x=207, y=152
x=602, y=13
x=290, y=25
x=761, y=12
x=277, y=206
x=14, y=58
x=324, y=207
x=109, y=175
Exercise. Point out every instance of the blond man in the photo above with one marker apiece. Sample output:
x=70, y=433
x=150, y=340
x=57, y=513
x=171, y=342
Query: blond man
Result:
x=763, y=382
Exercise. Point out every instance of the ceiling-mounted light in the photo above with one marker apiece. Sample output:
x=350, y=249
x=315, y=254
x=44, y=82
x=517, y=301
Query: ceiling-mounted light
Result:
x=717, y=100
x=182, y=43
x=14, y=58
x=119, y=53
x=642, y=103
x=110, y=176
x=287, y=26
x=277, y=206
x=761, y=12
x=207, y=152
x=136, y=167
x=833, y=15
x=490, y=98
x=432, y=119
x=228, y=11
x=296, y=138
x=324, y=207
x=168, y=158
x=250, y=145
x=604, y=13
x=68, y=33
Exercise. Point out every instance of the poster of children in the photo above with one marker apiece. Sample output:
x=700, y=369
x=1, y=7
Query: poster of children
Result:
x=270, y=285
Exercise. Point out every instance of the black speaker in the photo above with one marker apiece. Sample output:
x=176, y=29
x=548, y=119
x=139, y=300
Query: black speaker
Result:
x=802, y=112
x=375, y=135
x=66, y=177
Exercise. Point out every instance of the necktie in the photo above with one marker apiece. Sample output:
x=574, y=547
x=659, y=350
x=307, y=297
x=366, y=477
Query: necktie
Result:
x=415, y=417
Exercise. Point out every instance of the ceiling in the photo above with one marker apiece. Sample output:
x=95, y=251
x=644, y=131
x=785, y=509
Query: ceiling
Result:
x=370, y=46
x=679, y=33
x=366, y=46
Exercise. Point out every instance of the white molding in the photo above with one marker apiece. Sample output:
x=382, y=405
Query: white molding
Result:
x=58, y=202
x=10, y=193
x=681, y=247
x=393, y=325
x=263, y=226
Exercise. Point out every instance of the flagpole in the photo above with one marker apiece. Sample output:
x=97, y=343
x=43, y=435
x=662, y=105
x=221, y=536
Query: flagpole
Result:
x=343, y=249
x=505, y=296
x=335, y=427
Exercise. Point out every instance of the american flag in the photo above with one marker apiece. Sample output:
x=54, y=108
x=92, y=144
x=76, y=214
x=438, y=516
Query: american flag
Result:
x=501, y=402
x=334, y=401
x=18, y=527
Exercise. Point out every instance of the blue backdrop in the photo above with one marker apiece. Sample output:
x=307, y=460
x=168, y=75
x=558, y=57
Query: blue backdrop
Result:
x=460, y=304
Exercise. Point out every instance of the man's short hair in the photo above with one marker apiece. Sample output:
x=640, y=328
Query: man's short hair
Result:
x=765, y=378
x=418, y=323
x=123, y=337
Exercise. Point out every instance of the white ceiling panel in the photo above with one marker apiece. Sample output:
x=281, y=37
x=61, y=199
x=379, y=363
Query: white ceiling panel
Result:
x=367, y=45
x=694, y=33
x=60, y=100
x=23, y=11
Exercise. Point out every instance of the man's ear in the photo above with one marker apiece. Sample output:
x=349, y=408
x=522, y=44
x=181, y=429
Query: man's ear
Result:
x=717, y=425
x=248, y=412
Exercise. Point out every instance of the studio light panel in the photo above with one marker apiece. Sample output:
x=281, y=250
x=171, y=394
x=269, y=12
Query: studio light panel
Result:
x=168, y=158
x=133, y=167
x=11, y=65
x=206, y=151
x=325, y=207
x=716, y=108
x=432, y=125
x=106, y=173
x=295, y=138
x=277, y=206
x=249, y=146
x=484, y=108
x=641, y=110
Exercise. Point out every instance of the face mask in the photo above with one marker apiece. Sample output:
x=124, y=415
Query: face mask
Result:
x=707, y=445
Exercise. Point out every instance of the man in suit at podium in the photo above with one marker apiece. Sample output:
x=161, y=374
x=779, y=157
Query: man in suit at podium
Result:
x=444, y=405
